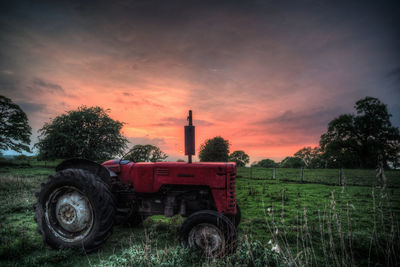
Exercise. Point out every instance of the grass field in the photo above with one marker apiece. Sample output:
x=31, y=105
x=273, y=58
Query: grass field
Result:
x=360, y=177
x=283, y=223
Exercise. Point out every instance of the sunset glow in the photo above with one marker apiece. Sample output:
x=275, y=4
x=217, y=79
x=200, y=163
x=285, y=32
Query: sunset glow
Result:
x=268, y=77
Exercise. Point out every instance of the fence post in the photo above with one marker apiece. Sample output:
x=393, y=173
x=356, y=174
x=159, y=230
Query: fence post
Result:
x=340, y=176
x=381, y=176
x=274, y=174
x=301, y=177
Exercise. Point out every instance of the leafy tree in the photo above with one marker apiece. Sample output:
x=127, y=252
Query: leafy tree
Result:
x=87, y=132
x=339, y=144
x=266, y=163
x=379, y=139
x=240, y=158
x=292, y=162
x=15, y=131
x=364, y=139
x=214, y=150
x=311, y=157
x=305, y=154
x=146, y=153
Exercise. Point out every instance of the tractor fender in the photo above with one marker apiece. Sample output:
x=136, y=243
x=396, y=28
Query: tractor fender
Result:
x=87, y=165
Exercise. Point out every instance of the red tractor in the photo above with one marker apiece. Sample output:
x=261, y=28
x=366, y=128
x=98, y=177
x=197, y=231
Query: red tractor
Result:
x=78, y=206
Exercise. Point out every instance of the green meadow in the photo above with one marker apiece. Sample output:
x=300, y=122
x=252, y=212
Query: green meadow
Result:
x=284, y=223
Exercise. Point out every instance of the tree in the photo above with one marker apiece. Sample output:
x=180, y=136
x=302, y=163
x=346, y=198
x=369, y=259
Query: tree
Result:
x=240, y=158
x=266, y=163
x=292, y=162
x=87, y=132
x=380, y=141
x=214, y=150
x=146, y=153
x=15, y=131
x=311, y=157
x=339, y=144
x=364, y=139
x=305, y=155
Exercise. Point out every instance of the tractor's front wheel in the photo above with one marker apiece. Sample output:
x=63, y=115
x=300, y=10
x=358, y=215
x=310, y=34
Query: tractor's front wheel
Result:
x=209, y=231
x=75, y=210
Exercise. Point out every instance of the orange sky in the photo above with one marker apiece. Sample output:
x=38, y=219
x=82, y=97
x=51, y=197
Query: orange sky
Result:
x=266, y=76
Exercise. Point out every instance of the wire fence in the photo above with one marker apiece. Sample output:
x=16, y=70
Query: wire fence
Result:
x=360, y=177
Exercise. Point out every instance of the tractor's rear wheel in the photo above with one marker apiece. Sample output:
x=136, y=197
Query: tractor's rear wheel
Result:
x=209, y=231
x=75, y=210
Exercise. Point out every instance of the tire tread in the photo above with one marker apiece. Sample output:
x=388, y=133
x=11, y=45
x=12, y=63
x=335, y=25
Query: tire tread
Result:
x=102, y=200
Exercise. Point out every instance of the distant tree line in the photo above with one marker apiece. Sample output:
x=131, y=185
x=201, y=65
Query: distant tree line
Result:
x=361, y=140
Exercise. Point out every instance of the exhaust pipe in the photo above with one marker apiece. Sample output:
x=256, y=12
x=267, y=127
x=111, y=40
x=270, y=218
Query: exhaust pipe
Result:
x=189, y=138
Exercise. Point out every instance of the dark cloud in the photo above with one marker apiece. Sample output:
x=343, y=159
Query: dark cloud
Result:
x=395, y=73
x=395, y=111
x=30, y=107
x=18, y=86
x=47, y=86
x=232, y=60
x=307, y=122
x=133, y=101
x=9, y=85
x=281, y=141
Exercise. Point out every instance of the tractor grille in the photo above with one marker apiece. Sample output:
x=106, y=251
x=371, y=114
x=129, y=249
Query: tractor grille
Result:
x=231, y=190
x=162, y=172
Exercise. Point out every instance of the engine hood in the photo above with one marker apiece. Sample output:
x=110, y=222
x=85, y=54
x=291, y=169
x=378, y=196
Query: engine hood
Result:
x=114, y=164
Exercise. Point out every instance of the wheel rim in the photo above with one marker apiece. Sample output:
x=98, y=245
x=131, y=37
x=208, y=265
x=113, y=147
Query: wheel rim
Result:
x=207, y=237
x=69, y=214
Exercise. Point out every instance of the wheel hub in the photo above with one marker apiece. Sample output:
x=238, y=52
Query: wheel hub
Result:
x=73, y=212
x=207, y=237
x=67, y=213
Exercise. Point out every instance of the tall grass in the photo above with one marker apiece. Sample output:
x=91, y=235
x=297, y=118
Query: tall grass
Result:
x=335, y=241
x=283, y=224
